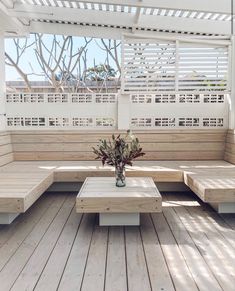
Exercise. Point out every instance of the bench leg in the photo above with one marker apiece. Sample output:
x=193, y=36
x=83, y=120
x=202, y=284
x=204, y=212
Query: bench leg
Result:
x=108, y=219
x=224, y=207
x=7, y=218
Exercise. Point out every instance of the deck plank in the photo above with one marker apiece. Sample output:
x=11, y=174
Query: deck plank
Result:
x=158, y=271
x=94, y=275
x=32, y=270
x=202, y=275
x=22, y=231
x=137, y=273
x=15, y=265
x=76, y=263
x=50, y=278
x=210, y=252
x=181, y=277
x=116, y=261
x=6, y=231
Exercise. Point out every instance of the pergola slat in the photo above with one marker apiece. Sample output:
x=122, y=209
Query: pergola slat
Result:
x=215, y=6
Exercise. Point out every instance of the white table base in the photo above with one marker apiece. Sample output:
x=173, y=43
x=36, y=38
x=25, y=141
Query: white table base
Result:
x=118, y=219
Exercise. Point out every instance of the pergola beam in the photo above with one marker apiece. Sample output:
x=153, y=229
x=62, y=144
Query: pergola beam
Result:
x=12, y=21
x=8, y=3
x=117, y=33
x=119, y=19
x=213, y=6
x=76, y=30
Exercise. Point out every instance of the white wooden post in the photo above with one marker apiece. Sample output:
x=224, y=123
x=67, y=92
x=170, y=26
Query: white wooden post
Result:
x=232, y=72
x=2, y=83
x=124, y=114
x=232, y=80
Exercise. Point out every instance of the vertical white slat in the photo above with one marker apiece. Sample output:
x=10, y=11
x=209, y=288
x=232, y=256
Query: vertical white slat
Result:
x=122, y=63
x=229, y=85
x=2, y=83
x=177, y=44
x=232, y=96
x=123, y=111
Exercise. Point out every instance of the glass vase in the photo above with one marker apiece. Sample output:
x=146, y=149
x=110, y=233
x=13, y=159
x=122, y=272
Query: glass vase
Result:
x=120, y=176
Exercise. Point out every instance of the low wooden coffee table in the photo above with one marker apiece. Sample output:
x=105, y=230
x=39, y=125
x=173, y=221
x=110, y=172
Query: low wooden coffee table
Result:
x=119, y=205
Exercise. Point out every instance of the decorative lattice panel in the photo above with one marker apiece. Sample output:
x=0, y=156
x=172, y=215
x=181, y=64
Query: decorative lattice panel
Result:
x=62, y=110
x=184, y=122
x=25, y=98
x=81, y=98
x=57, y=98
x=26, y=121
x=179, y=111
x=82, y=122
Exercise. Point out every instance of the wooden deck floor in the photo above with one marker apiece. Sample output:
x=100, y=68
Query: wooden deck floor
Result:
x=50, y=247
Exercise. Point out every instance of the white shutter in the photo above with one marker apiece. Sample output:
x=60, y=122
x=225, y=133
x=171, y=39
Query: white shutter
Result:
x=202, y=68
x=148, y=66
x=151, y=65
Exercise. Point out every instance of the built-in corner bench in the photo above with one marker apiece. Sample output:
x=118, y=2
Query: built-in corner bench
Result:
x=30, y=161
x=22, y=183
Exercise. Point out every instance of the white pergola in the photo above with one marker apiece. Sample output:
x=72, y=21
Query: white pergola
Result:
x=110, y=18
x=201, y=20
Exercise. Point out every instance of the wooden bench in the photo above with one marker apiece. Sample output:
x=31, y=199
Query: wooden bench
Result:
x=28, y=164
x=21, y=183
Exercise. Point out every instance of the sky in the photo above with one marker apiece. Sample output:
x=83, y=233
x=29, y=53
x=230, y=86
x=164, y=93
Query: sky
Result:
x=28, y=60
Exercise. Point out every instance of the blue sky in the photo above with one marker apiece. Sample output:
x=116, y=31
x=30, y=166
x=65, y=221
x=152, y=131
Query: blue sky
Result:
x=94, y=52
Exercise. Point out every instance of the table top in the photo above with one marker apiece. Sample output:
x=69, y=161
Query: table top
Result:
x=136, y=187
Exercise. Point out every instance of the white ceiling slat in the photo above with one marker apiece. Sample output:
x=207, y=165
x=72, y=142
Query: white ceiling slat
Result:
x=181, y=13
x=151, y=11
x=216, y=6
x=182, y=24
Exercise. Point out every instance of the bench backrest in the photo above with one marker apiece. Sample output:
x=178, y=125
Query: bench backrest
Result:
x=6, y=152
x=159, y=145
x=229, y=154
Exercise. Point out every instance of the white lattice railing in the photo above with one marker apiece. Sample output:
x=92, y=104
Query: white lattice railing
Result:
x=99, y=111
x=56, y=110
x=156, y=111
